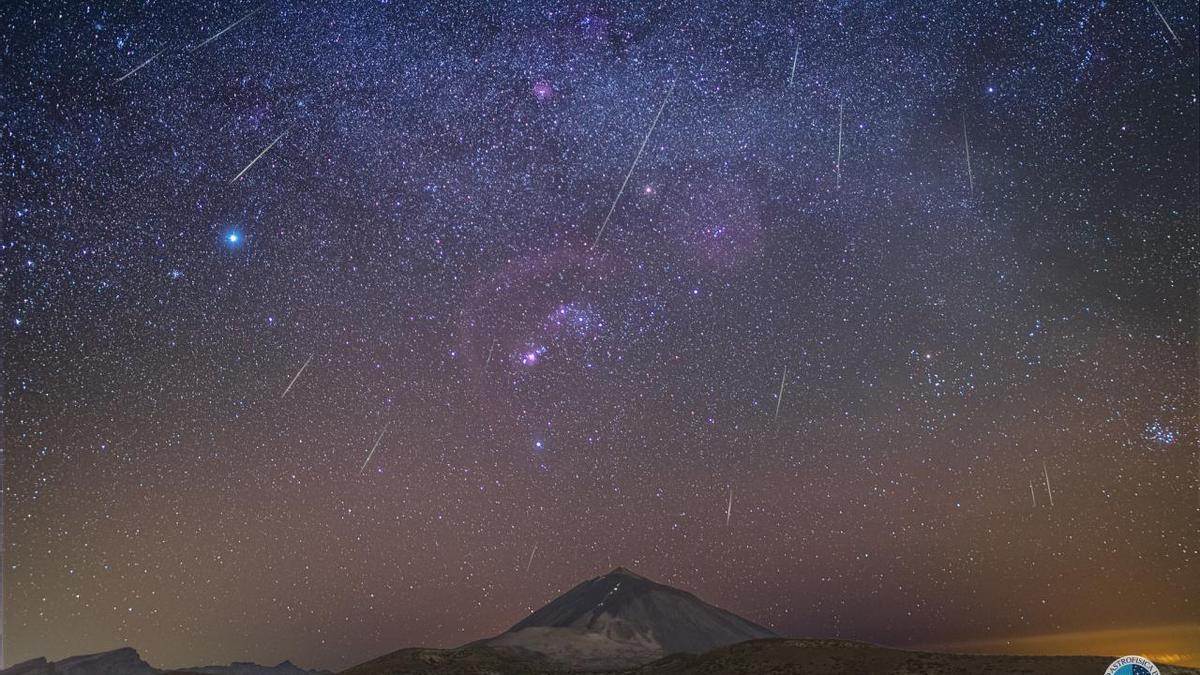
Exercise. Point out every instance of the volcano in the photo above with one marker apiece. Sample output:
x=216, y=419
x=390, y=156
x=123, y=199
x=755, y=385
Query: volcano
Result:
x=622, y=619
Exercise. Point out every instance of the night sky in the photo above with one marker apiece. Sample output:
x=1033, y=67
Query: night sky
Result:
x=962, y=237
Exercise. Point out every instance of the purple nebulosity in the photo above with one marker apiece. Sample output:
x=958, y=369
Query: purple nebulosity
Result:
x=532, y=355
x=543, y=90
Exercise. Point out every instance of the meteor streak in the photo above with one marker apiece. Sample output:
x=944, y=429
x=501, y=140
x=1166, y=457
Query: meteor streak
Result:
x=226, y=29
x=143, y=64
x=372, y=452
x=1164, y=20
x=289, y=387
x=967, y=147
x=729, y=508
x=264, y=151
x=1047, y=475
x=841, y=114
x=779, y=400
x=634, y=165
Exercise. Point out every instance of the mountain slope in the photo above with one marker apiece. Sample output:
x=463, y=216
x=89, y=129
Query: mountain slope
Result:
x=622, y=619
x=462, y=661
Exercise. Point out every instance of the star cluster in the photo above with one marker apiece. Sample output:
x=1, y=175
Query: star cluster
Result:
x=962, y=236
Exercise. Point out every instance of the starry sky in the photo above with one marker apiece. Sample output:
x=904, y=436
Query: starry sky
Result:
x=873, y=320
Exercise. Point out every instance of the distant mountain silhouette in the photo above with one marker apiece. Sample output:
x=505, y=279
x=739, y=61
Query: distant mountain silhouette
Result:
x=248, y=668
x=126, y=661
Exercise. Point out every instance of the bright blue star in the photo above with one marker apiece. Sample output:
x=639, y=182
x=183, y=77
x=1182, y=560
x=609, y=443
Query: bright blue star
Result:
x=233, y=239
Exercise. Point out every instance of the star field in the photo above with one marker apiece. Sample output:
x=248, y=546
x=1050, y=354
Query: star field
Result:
x=402, y=203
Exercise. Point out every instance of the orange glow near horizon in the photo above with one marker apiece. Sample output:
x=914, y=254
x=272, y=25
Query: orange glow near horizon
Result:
x=1177, y=645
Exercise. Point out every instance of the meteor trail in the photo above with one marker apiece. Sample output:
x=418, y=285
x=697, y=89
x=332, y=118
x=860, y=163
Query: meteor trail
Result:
x=841, y=113
x=1164, y=20
x=1047, y=475
x=967, y=147
x=140, y=66
x=795, y=55
x=264, y=151
x=372, y=452
x=1032, y=494
x=289, y=387
x=634, y=165
x=226, y=29
x=729, y=508
x=779, y=400
x=531, y=553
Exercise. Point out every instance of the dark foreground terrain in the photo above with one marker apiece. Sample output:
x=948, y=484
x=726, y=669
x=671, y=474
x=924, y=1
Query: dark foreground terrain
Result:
x=622, y=623
x=756, y=657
